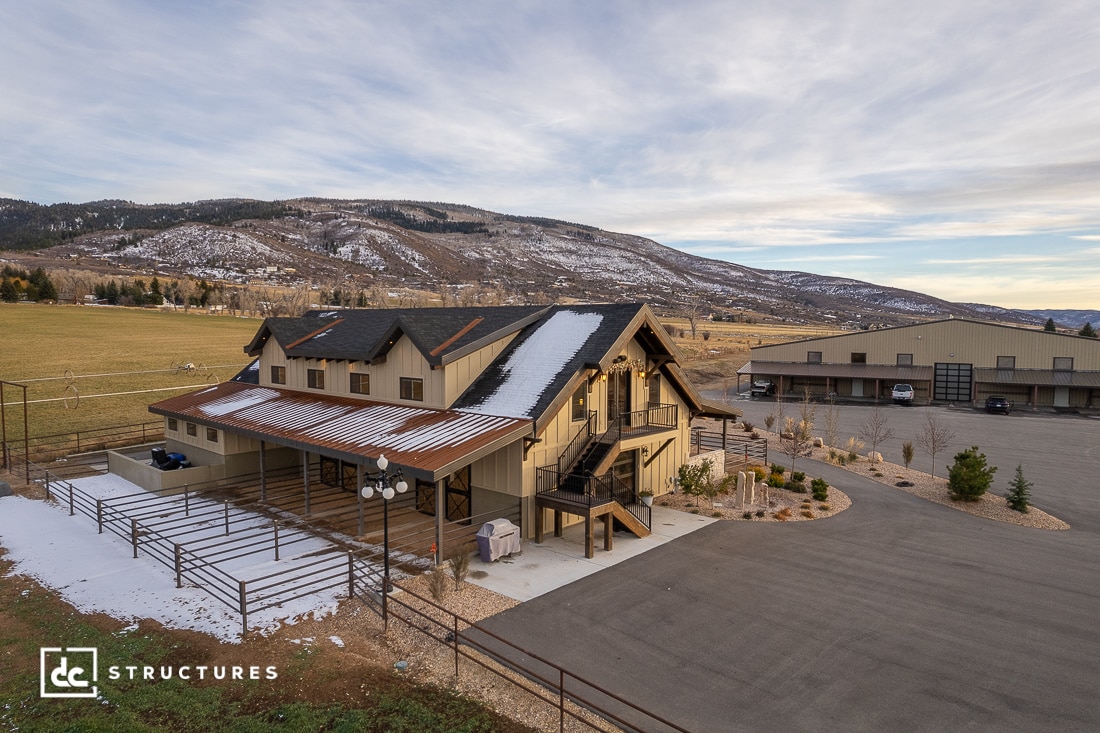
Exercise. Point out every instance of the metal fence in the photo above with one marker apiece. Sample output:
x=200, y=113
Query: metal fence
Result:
x=569, y=694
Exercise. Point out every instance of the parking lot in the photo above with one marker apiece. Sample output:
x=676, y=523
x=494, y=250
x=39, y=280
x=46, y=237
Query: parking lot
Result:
x=897, y=614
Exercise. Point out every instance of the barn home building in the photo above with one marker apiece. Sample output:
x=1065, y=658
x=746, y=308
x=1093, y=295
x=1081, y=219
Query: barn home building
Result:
x=549, y=414
x=948, y=361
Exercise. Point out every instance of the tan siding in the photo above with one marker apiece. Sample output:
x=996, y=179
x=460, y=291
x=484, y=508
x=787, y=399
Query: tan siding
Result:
x=460, y=374
x=960, y=342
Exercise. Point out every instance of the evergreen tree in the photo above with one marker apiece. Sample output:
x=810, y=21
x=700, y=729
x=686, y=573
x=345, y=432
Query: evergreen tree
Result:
x=8, y=291
x=969, y=477
x=1088, y=331
x=1049, y=325
x=45, y=288
x=1019, y=492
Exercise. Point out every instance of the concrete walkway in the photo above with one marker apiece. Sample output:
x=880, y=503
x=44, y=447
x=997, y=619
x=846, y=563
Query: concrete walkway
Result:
x=559, y=561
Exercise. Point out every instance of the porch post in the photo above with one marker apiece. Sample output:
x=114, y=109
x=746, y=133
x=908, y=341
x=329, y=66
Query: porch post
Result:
x=1034, y=396
x=538, y=524
x=263, y=473
x=607, y=535
x=359, y=495
x=725, y=429
x=440, y=516
x=557, y=523
x=305, y=477
x=589, y=540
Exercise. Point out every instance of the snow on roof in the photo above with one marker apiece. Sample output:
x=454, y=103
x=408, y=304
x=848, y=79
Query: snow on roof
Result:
x=534, y=364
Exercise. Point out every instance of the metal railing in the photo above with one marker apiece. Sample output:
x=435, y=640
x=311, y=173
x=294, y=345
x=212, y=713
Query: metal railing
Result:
x=739, y=445
x=569, y=694
x=47, y=447
x=576, y=446
x=591, y=491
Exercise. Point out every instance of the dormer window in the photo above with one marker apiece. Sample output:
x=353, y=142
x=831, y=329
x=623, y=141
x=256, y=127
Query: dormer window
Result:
x=360, y=383
x=278, y=375
x=315, y=378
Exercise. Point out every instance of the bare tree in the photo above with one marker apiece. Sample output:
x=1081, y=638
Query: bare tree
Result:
x=832, y=427
x=934, y=437
x=795, y=439
x=692, y=308
x=875, y=430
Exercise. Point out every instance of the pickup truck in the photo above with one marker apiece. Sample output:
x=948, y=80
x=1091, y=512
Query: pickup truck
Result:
x=762, y=388
x=902, y=394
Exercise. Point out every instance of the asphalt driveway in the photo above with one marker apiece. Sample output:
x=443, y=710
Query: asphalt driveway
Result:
x=896, y=615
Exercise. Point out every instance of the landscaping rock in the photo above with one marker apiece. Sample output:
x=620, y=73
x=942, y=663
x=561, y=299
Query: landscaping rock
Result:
x=5, y=489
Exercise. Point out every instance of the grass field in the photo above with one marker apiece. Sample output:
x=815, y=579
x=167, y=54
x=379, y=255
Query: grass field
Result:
x=128, y=354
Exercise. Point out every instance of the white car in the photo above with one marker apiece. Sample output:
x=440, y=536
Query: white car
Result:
x=902, y=394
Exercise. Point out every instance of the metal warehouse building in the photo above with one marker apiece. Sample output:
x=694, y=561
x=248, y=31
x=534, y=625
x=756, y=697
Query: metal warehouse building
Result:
x=948, y=361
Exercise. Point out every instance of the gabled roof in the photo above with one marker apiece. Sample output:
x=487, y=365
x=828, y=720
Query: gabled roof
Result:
x=426, y=443
x=440, y=334
x=538, y=372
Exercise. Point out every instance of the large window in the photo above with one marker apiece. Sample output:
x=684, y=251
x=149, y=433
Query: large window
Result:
x=173, y=425
x=952, y=382
x=315, y=378
x=905, y=360
x=360, y=383
x=212, y=435
x=278, y=375
x=859, y=358
x=412, y=389
x=1006, y=362
x=580, y=403
x=1063, y=363
x=813, y=357
x=192, y=430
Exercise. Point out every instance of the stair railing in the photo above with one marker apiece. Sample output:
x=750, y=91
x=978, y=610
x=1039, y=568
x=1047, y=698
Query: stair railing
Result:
x=576, y=446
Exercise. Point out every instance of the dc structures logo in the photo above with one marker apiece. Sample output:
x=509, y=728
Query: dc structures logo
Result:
x=68, y=671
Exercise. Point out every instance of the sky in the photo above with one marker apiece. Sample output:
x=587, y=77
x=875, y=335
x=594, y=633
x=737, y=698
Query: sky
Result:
x=951, y=148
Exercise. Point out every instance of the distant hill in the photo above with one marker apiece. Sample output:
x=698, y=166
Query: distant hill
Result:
x=1074, y=319
x=444, y=248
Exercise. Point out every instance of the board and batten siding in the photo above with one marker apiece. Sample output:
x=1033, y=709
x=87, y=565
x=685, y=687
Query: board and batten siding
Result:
x=954, y=341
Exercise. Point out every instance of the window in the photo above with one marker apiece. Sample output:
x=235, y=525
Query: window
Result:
x=192, y=430
x=1063, y=363
x=859, y=358
x=654, y=380
x=580, y=408
x=813, y=357
x=360, y=383
x=905, y=360
x=173, y=424
x=315, y=378
x=212, y=435
x=412, y=389
x=1006, y=362
x=278, y=375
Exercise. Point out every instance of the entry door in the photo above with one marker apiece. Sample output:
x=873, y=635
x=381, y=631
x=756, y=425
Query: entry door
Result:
x=952, y=382
x=618, y=394
x=1061, y=396
x=857, y=387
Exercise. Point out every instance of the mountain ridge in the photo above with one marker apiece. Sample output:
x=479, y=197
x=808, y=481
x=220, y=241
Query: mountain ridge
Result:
x=441, y=247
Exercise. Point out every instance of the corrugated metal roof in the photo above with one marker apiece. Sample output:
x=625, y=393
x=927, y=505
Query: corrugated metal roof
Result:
x=1037, y=377
x=845, y=371
x=426, y=443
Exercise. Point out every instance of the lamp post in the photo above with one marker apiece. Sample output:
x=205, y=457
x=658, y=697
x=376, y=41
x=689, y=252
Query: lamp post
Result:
x=384, y=480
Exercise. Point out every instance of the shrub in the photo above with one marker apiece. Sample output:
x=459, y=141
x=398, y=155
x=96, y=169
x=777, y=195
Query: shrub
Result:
x=776, y=481
x=695, y=511
x=760, y=512
x=783, y=514
x=437, y=583
x=769, y=421
x=1019, y=492
x=759, y=471
x=798, y=476
x=796, y=486
x=820, y=489
x=746, y=515
x=460, y=566
x=823, y=507
x=747, y=426
x=877, y=474
x=807, y=514
x=778, y=469
x=716, y=514
x=969, y=477
x=755, y=435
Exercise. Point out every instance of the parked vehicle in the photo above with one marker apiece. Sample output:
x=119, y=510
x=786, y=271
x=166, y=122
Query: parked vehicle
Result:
x=763, y=388
x=998, y=404
x=902, y=394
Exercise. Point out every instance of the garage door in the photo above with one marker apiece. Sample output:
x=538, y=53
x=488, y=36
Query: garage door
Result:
x=952, y=382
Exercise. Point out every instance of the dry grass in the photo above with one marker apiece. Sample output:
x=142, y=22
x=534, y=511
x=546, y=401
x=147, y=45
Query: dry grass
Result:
x=42, y=342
